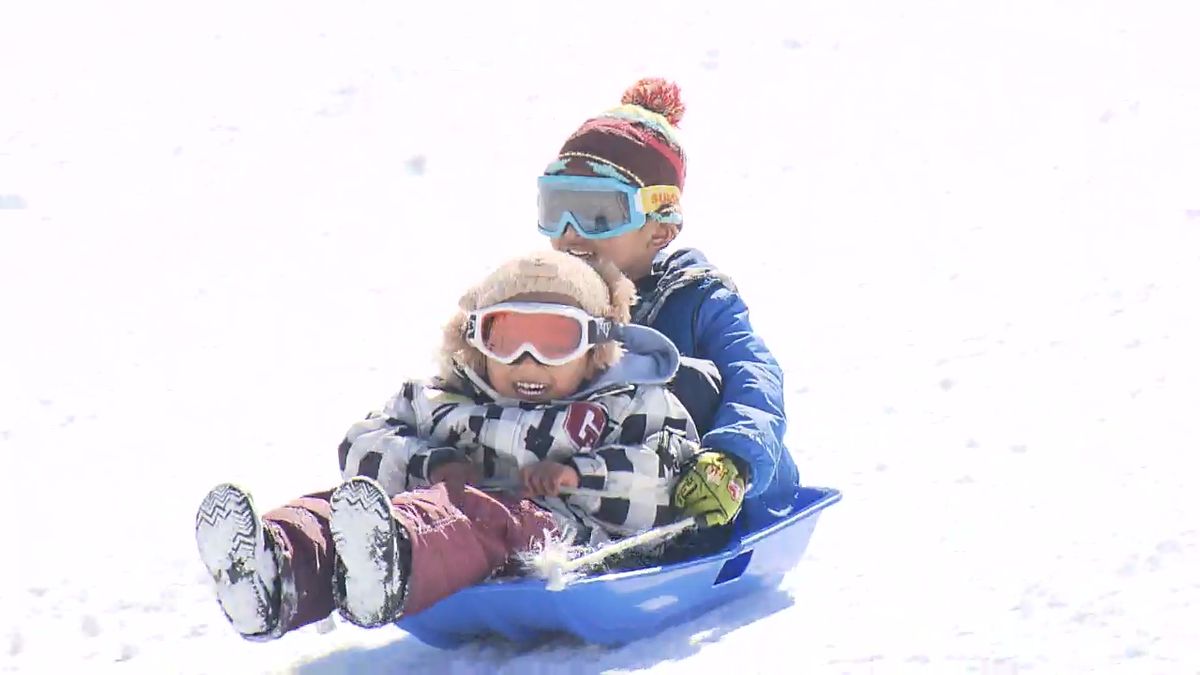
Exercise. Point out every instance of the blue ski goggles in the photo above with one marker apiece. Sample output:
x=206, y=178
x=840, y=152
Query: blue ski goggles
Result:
x=597, y=207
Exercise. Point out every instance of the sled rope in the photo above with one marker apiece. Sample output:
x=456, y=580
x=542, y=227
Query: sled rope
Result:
x=554, y=562
x=556, y=572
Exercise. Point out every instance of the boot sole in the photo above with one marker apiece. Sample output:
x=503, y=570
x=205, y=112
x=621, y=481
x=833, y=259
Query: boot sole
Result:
x=365, y=536
x=231, y=542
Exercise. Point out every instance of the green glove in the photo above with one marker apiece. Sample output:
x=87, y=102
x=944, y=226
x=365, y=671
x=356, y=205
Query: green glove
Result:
x=710, y=488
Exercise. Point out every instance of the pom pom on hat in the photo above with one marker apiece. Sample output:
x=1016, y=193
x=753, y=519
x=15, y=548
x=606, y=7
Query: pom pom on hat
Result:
x=657, y=95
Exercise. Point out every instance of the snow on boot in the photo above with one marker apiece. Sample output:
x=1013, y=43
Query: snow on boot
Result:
x=374, y=556
x=235, y=549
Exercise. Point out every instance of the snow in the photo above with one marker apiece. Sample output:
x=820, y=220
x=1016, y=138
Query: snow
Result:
x=969, y=233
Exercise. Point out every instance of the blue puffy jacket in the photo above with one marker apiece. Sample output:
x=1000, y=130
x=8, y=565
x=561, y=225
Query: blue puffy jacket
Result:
x=698, y=308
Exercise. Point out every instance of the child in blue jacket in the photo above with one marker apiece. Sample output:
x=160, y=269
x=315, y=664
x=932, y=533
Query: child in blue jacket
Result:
x=614, y=193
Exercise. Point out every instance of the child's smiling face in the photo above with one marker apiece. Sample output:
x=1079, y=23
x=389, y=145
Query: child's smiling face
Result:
x=632, y=252
x=527, y=379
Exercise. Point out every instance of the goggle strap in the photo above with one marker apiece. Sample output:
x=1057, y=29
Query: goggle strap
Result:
x=673, y=217
x=654, y=197
x=601, y=330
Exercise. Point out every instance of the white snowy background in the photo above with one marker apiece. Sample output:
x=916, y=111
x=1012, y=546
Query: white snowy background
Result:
x=969, y=231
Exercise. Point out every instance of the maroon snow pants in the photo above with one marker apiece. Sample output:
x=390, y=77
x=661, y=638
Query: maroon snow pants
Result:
x=457, y=541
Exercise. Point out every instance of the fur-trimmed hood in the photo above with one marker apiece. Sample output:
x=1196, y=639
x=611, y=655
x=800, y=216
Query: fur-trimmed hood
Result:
x=598, y=287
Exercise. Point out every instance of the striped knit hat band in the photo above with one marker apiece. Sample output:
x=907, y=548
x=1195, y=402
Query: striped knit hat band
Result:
x=638, y=139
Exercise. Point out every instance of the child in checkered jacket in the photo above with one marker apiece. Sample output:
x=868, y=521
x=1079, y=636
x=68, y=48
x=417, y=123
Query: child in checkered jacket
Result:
x=545, y=389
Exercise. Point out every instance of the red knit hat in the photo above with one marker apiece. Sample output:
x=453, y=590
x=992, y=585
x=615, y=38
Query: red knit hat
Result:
x=638, y=138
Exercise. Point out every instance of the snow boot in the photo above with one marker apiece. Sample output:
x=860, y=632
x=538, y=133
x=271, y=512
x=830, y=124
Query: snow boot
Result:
x=240, y=558
x=374, y=557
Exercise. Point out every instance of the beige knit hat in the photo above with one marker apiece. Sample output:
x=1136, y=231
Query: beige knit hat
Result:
x=598, y=287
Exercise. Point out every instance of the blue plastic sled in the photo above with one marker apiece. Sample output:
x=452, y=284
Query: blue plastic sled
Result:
x=621, y=607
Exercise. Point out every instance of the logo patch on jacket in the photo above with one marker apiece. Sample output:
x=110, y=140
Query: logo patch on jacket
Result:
x=585, y=423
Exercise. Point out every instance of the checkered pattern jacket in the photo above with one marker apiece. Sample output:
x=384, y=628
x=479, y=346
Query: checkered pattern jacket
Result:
x=627, y=440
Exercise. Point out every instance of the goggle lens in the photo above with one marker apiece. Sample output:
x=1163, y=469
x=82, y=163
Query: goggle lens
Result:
x=505, y=333
x=595, y=212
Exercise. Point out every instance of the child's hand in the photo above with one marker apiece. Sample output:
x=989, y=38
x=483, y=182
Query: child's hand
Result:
x=711, y=489
x=545, y=478
x=455, y=475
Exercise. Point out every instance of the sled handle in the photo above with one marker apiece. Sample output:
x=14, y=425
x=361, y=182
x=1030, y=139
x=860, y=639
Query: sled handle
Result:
x=734, y=568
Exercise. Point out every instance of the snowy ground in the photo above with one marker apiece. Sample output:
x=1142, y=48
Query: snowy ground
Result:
x=972, y=237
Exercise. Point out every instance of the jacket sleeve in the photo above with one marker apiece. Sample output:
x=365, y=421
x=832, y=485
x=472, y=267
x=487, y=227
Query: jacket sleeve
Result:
x=650, y=435
x=750, y=422
x=391, y=445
